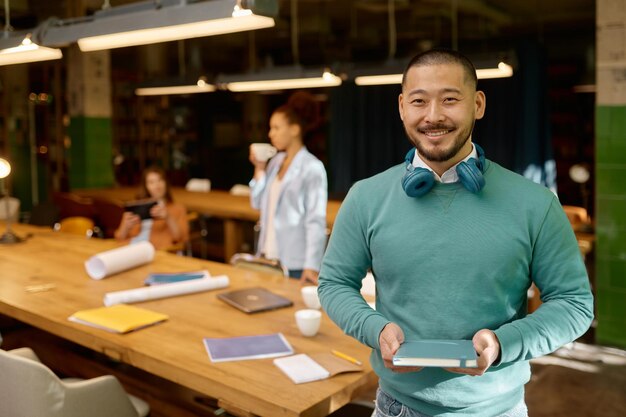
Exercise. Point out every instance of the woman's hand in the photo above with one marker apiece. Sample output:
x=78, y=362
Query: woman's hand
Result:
x=259, y=167
x=309, y=276
x=129, y=220
x=159, y=211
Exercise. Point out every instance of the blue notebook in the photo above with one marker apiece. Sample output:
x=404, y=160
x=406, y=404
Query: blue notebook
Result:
x=442, y=353
x=168, y=278
x=222, y=349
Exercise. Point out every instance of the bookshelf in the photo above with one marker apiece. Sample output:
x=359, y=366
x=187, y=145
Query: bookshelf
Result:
x=150, y=130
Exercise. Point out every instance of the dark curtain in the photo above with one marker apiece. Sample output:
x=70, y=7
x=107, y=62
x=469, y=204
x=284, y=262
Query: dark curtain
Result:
x=367, y=136
x=515, y=131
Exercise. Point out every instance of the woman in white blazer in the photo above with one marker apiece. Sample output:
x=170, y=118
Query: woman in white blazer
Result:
x=291, y=192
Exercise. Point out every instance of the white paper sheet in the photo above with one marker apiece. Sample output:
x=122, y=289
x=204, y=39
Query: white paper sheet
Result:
x=165, y=290
x=301, y=368
x=117, y=260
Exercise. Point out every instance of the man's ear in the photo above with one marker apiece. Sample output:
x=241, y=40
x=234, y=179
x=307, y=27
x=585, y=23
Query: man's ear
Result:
x=481, y=103
x=401, y=107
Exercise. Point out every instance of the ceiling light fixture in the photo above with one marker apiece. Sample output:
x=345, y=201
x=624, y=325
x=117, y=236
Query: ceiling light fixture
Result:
x=279, y=79
x=502, y=70
x=24, y=50
x=157, y=21
x=201, y=86
x=19, y=48
x=383, y=79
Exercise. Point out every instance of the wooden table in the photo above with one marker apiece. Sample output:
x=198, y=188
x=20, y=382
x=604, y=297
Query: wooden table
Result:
x=173, y=350
x=232, y=209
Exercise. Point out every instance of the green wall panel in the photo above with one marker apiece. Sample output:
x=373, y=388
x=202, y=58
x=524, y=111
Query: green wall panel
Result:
x=608, y=176
x=610, y=249
x=91, y=155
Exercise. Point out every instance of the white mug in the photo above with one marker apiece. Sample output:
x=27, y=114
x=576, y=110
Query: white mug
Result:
x=310, y=297
x=308, y=321
x=262, y=151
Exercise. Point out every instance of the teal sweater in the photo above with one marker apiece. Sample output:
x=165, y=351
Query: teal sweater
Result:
x=449, y=264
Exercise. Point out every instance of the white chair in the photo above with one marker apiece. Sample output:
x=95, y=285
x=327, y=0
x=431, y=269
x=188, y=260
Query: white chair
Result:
x=11, y=210
x=29, y=388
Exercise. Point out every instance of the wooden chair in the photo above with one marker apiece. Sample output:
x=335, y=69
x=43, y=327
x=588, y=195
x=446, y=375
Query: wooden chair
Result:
x=108, y=216
x=257, y=263
x=77, y=225
x=185, y=248
x=29, y=388
x=576, y=215
x=71, y=205
x=45, y=213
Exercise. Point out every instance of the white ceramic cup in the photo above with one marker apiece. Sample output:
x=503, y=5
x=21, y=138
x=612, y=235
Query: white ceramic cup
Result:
x=308, y=321
x=263, y=151
x=310, y=297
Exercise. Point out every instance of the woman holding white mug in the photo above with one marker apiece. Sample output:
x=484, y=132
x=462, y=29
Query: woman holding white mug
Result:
x=291, y=191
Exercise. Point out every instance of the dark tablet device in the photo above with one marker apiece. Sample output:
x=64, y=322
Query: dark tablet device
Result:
x=140, y=207
x=254, y=300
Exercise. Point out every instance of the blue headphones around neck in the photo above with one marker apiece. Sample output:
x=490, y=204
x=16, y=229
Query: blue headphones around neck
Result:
x=418, y=181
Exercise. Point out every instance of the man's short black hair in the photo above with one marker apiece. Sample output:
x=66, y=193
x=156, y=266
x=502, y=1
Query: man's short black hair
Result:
x=443, y=56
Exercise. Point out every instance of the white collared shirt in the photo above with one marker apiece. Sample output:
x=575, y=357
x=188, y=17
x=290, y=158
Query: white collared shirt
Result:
x=450, y=175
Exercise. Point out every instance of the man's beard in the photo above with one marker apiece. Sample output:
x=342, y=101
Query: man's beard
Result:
x=440, y=154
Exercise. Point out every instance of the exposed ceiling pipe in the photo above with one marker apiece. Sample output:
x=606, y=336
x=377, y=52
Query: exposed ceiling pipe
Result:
x=391, y=20
x=454, y=16
x=7, y=18
x=294, y=32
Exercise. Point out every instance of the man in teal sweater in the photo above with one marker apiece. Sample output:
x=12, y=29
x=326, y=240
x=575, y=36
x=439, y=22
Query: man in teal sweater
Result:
x=454, y=242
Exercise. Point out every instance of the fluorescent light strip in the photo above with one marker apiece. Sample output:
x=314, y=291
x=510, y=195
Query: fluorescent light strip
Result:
x=503, y=71
x=379, y=79
x=28, y=52
x=175, y=89
x=237, y=23
x=326, y=80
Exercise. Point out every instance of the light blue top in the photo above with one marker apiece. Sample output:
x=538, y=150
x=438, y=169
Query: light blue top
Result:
x=449, y=264
x=300, y=217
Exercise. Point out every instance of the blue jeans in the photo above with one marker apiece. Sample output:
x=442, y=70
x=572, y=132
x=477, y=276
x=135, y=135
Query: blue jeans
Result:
x=386, y=406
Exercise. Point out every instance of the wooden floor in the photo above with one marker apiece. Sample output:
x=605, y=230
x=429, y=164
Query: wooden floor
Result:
x=580, y=380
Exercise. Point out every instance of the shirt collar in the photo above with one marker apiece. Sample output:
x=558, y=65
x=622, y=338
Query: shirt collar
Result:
x=450, y=175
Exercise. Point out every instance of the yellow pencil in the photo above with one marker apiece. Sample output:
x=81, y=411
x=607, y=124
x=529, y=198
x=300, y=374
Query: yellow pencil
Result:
x=346, y=357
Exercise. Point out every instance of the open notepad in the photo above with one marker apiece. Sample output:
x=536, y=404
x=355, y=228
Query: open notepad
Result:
x=223, y=349
x=303, y=368
x=120, y=318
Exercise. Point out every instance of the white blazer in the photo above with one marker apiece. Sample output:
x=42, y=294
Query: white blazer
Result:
x=300, y=218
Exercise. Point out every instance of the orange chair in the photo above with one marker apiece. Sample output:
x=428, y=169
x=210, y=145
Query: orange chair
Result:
x=76, y=225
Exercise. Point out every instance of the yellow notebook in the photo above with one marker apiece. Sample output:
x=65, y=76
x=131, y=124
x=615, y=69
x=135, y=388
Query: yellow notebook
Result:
x=120, y=318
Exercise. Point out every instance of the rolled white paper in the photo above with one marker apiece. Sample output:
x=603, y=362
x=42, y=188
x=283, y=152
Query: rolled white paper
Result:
x=117, y=260
x=165, y=290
